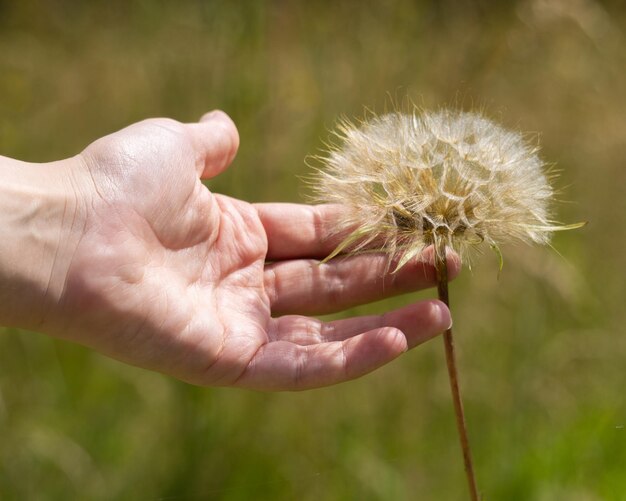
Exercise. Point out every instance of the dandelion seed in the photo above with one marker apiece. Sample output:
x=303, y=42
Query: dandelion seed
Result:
x=447, y=179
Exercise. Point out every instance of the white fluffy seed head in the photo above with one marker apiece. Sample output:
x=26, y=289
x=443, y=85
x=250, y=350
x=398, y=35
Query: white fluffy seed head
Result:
x=412, y=180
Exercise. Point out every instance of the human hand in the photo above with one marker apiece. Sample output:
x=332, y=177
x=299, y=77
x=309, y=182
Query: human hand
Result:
x=159, y=272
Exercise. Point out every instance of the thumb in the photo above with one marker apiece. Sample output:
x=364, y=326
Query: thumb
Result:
x=216, y=141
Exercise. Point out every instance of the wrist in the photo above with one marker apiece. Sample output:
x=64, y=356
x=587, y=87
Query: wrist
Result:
x=40, y=218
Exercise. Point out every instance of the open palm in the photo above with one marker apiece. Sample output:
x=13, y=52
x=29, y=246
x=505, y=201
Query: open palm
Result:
x=169, y=276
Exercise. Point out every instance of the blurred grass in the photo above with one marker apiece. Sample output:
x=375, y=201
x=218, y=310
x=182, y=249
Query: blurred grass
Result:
x=543, y=349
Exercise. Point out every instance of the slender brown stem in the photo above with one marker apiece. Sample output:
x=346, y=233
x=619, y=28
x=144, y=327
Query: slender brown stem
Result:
x=442, y=289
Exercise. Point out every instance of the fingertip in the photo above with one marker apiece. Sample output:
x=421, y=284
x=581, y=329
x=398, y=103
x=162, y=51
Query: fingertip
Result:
x=373, y=349
x=453, y=260
x=441, y=316
x=215, y=115
x=394, y=339
x=421, y=321
x=379, y=345
x=218, y=139
x=222, y=119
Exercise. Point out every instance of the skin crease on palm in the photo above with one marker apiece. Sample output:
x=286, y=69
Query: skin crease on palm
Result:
x=143, y=263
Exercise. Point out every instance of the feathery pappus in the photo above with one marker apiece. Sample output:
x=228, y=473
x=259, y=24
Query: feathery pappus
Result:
x=453, y=178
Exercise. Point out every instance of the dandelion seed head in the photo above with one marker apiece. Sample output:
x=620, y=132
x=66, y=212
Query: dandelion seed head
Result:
x=409, y=180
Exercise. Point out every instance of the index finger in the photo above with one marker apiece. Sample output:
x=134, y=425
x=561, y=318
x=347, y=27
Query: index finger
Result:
x=299, y=231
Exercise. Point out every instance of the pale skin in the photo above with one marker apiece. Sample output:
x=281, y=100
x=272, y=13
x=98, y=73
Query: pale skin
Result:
x=123, y=249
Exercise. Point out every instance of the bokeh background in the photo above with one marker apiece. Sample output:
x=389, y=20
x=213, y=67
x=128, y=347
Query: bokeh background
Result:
x=542, y=349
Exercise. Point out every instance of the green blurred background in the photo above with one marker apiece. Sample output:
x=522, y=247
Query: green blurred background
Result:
x=542, y=349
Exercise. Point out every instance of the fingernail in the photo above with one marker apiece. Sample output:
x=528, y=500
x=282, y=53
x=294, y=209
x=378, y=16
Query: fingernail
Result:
x=445, y=318
x=400, y=339
x=212, y=115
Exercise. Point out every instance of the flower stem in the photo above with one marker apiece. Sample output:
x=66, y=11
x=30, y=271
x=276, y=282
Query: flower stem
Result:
x=442, y=289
